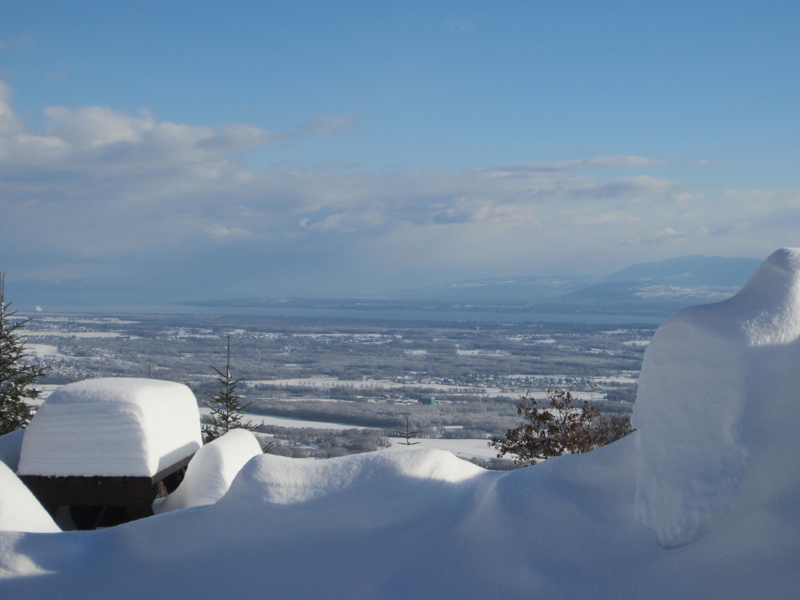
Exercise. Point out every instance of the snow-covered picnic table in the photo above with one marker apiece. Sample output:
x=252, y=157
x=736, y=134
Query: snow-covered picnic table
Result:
x=109, y=442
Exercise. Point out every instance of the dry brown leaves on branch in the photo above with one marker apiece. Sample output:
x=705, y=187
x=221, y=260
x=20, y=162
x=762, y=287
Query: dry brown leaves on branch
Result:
x=559, y=427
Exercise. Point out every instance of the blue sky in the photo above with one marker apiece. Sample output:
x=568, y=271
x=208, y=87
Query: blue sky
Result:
x=356, y=148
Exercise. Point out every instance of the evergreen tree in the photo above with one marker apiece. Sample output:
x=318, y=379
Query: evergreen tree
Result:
x=227, y=410
x=16, y=377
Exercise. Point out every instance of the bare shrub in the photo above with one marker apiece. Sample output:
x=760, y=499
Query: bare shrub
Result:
x=559, y=427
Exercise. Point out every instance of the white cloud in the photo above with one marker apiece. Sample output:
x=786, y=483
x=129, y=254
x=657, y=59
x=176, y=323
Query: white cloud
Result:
x=97, y=184
x=331, y=124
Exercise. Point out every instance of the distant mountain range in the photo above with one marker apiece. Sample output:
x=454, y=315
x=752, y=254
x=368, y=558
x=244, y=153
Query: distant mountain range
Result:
x=654, y=288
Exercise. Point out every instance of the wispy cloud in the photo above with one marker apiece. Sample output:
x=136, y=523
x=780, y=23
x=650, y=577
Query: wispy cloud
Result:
x=599, y=162
x=22, y=41
x=704, y=164
x=51, y=75
x=462, y=25
x=331, y=124
x=665, y=236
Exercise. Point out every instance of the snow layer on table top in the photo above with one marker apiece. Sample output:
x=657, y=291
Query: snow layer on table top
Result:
x=19, y=508
x=718, y=406
x=212, y=470
x=112, y=427
x=10, y=447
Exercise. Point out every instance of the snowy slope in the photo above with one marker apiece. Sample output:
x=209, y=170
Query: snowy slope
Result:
x=419, y=524
x=700, y=503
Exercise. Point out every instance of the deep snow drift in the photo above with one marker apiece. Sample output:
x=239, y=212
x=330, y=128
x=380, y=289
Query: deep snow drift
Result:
x=701, y=502
x=718, y=408
x=212, y=470
x=111, y=427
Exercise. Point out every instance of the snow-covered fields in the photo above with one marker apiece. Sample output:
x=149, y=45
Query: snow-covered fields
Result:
x=288, y=422
x=467, y=448
x=42, y=350
x=31, y=333
x=318, y=384
x=699, y=503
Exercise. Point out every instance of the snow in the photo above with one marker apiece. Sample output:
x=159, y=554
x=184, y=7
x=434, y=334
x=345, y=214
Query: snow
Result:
x=212, y=470
x=718, y=383
x=10, y=447
x=19, y=508
x=42, y=350
x=465, y=448
x=30, y=333
x=259, y=419
x=111, y=427
x=699, y=503
x=639, y=343
x=415, y=524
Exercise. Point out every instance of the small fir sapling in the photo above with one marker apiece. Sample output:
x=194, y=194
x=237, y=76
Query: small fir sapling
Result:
x=227, y=410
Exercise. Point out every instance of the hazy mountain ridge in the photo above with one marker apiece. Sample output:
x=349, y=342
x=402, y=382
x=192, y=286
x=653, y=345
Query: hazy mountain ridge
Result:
x=692, y=271
x=654, y=288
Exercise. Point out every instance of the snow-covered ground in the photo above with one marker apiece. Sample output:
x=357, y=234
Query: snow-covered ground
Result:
x=30, y=333
x=637, y=343
x=42, y=350
x=467, y=448
x=324, y=383
x=462, y=448
x=699, y=503
x=288, y=422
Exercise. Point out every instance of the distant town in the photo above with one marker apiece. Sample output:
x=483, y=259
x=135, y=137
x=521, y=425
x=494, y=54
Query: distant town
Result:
x=453, y=380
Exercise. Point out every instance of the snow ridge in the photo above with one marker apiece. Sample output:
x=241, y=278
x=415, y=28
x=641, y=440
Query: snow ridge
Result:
x=701, y=391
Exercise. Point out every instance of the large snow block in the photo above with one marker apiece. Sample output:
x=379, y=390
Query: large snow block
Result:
x=118, y=427
x=718, y=404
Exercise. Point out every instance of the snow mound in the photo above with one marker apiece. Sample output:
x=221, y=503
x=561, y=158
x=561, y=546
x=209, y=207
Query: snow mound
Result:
x=717, y=407
x=281, y=480
x=19, y=508
x=415, y=524
x=112, y=427
x=212, y=470
x=10, y=447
